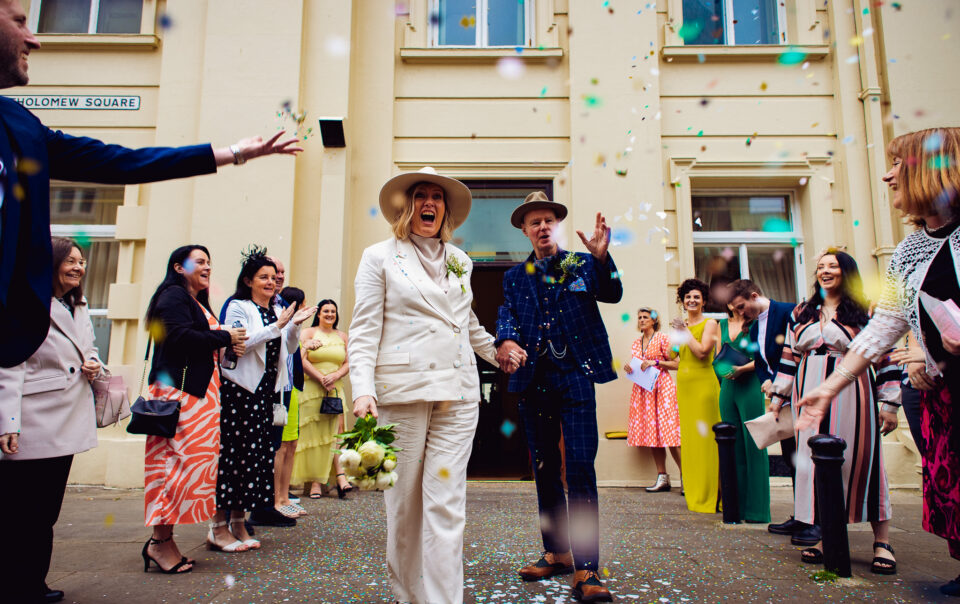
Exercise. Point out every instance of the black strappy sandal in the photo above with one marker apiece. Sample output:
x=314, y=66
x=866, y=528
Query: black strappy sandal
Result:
x=883, y=566
x=811, y=555
x=147, y=559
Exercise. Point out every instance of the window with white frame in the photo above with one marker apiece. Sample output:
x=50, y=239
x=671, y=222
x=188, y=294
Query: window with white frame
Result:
x=752, y=236
x=482, y=23
x=87, y=16
x=88, y=215
x=734, y=22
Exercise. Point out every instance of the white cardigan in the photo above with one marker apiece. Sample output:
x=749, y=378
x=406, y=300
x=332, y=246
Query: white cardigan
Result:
x=253, y=364
x=410, y=341
x=47, y=399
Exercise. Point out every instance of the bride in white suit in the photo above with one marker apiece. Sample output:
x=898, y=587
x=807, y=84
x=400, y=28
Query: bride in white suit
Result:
x=411, y=350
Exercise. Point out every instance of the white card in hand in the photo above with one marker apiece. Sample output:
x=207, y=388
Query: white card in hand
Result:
x=646, y=379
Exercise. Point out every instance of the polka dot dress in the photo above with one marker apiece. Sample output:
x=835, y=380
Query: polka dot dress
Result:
x=245, y=478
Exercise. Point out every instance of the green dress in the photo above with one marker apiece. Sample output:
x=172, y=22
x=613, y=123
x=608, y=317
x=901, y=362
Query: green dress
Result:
x=697, y=393
x=741, y=400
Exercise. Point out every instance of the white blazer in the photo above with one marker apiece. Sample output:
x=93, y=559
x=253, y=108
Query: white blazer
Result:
x=410, y=341
x=253, y=364
x=47, y=399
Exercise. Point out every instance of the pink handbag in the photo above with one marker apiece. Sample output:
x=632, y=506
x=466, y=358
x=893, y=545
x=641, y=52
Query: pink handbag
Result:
x=110, y=398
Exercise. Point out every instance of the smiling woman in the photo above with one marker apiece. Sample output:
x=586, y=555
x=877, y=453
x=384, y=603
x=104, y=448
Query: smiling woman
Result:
x=411, y=353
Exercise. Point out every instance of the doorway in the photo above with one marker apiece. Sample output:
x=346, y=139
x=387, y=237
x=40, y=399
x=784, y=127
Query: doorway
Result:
x=499, y=448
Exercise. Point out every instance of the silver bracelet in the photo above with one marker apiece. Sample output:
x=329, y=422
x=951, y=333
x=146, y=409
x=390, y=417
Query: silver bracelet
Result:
x=238, y=158
x=845, y=373
x=890, y=408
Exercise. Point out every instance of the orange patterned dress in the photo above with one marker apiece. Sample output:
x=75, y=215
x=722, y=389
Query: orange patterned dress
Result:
x=654, y=419
x=181, y=472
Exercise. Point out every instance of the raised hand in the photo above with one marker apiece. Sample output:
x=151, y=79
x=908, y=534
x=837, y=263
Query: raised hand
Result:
x=303, y=314
x=600, y=239
x=255, y=146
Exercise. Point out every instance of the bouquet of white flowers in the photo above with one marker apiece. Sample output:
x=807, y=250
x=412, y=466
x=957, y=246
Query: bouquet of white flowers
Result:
x=367, y=456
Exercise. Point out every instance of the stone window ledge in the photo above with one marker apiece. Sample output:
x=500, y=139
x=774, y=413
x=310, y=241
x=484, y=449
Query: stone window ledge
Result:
x=476, y=55
x=744, y=53
x=99, y=41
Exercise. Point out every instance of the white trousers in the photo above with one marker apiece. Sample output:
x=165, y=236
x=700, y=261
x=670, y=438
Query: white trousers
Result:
x=426, y=508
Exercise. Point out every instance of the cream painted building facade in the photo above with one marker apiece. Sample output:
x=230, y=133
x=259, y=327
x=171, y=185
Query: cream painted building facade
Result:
x=708, y=152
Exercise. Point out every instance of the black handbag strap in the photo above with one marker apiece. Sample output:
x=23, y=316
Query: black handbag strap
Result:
x=143, y=375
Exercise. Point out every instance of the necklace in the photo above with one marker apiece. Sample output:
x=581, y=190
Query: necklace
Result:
x=644, y=346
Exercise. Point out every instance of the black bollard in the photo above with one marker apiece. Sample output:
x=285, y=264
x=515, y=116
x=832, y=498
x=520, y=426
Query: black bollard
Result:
x=828, y=458
x=726, y=435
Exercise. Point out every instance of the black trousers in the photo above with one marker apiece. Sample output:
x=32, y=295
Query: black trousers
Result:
x=31, y=494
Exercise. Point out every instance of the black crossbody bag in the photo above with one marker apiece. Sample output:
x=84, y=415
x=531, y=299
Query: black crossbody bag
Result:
x=155, y=417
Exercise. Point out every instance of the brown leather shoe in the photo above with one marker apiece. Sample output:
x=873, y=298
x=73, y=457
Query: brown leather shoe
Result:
x=548, y=565
x=588, y=588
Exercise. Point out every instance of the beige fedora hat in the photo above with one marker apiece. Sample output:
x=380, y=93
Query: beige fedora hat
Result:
x=537, y=200
x=393, y=195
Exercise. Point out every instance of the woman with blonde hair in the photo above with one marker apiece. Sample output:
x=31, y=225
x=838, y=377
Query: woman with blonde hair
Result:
x=925, y=180
x=654, y=421
x=412, y=363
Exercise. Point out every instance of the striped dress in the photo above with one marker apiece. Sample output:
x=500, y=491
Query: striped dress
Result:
x=181, y=472
x=809, y=356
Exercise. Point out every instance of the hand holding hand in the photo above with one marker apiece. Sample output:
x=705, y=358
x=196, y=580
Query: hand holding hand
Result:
x=600, y=239
x=10, y=443
x=363, y=405
x=90, y=369
x=255, y=146
x=511, y=356
x=328, y=381
x=889, y=422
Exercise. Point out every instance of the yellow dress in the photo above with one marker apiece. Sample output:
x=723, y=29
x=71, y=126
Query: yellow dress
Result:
x=698, y=397
x=314, y=457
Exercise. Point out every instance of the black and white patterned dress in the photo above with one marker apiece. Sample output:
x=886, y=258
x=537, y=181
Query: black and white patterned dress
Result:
x=245, y=477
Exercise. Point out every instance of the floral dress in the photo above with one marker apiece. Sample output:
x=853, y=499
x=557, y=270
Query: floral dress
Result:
x=654, y=420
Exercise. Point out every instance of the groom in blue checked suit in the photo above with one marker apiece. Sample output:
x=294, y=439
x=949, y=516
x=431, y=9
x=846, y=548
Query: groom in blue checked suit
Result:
x=551, y=338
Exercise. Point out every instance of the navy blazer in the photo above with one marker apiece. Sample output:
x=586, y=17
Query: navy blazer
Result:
x=777, y=318
x=579, y=318
x=189, y=343
x=26, y=274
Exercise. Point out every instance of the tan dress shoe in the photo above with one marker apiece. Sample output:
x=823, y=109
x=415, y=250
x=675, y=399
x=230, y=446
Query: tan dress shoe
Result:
x=548, y=565
x=587, y=587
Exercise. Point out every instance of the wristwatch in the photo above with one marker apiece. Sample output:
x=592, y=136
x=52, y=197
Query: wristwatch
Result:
x=238, y=158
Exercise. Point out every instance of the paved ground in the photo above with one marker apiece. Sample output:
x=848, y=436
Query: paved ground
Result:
x=653, y=550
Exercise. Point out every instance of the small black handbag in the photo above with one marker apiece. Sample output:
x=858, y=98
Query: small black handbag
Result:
x=331, y=405
x=728, y=358
x=152, y=416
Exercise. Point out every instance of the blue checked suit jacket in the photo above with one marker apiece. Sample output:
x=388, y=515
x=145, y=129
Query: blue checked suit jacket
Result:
x=26, y=273
x=519, y=318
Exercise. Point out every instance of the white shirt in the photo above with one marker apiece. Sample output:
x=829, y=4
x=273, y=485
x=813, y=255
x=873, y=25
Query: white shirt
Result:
x=762, y=335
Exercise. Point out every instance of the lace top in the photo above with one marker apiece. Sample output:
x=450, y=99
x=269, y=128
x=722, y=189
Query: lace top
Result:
x=899, y=308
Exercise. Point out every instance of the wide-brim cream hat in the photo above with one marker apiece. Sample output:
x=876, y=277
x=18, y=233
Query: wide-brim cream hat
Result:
x=456, y=195
x=537, y=200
